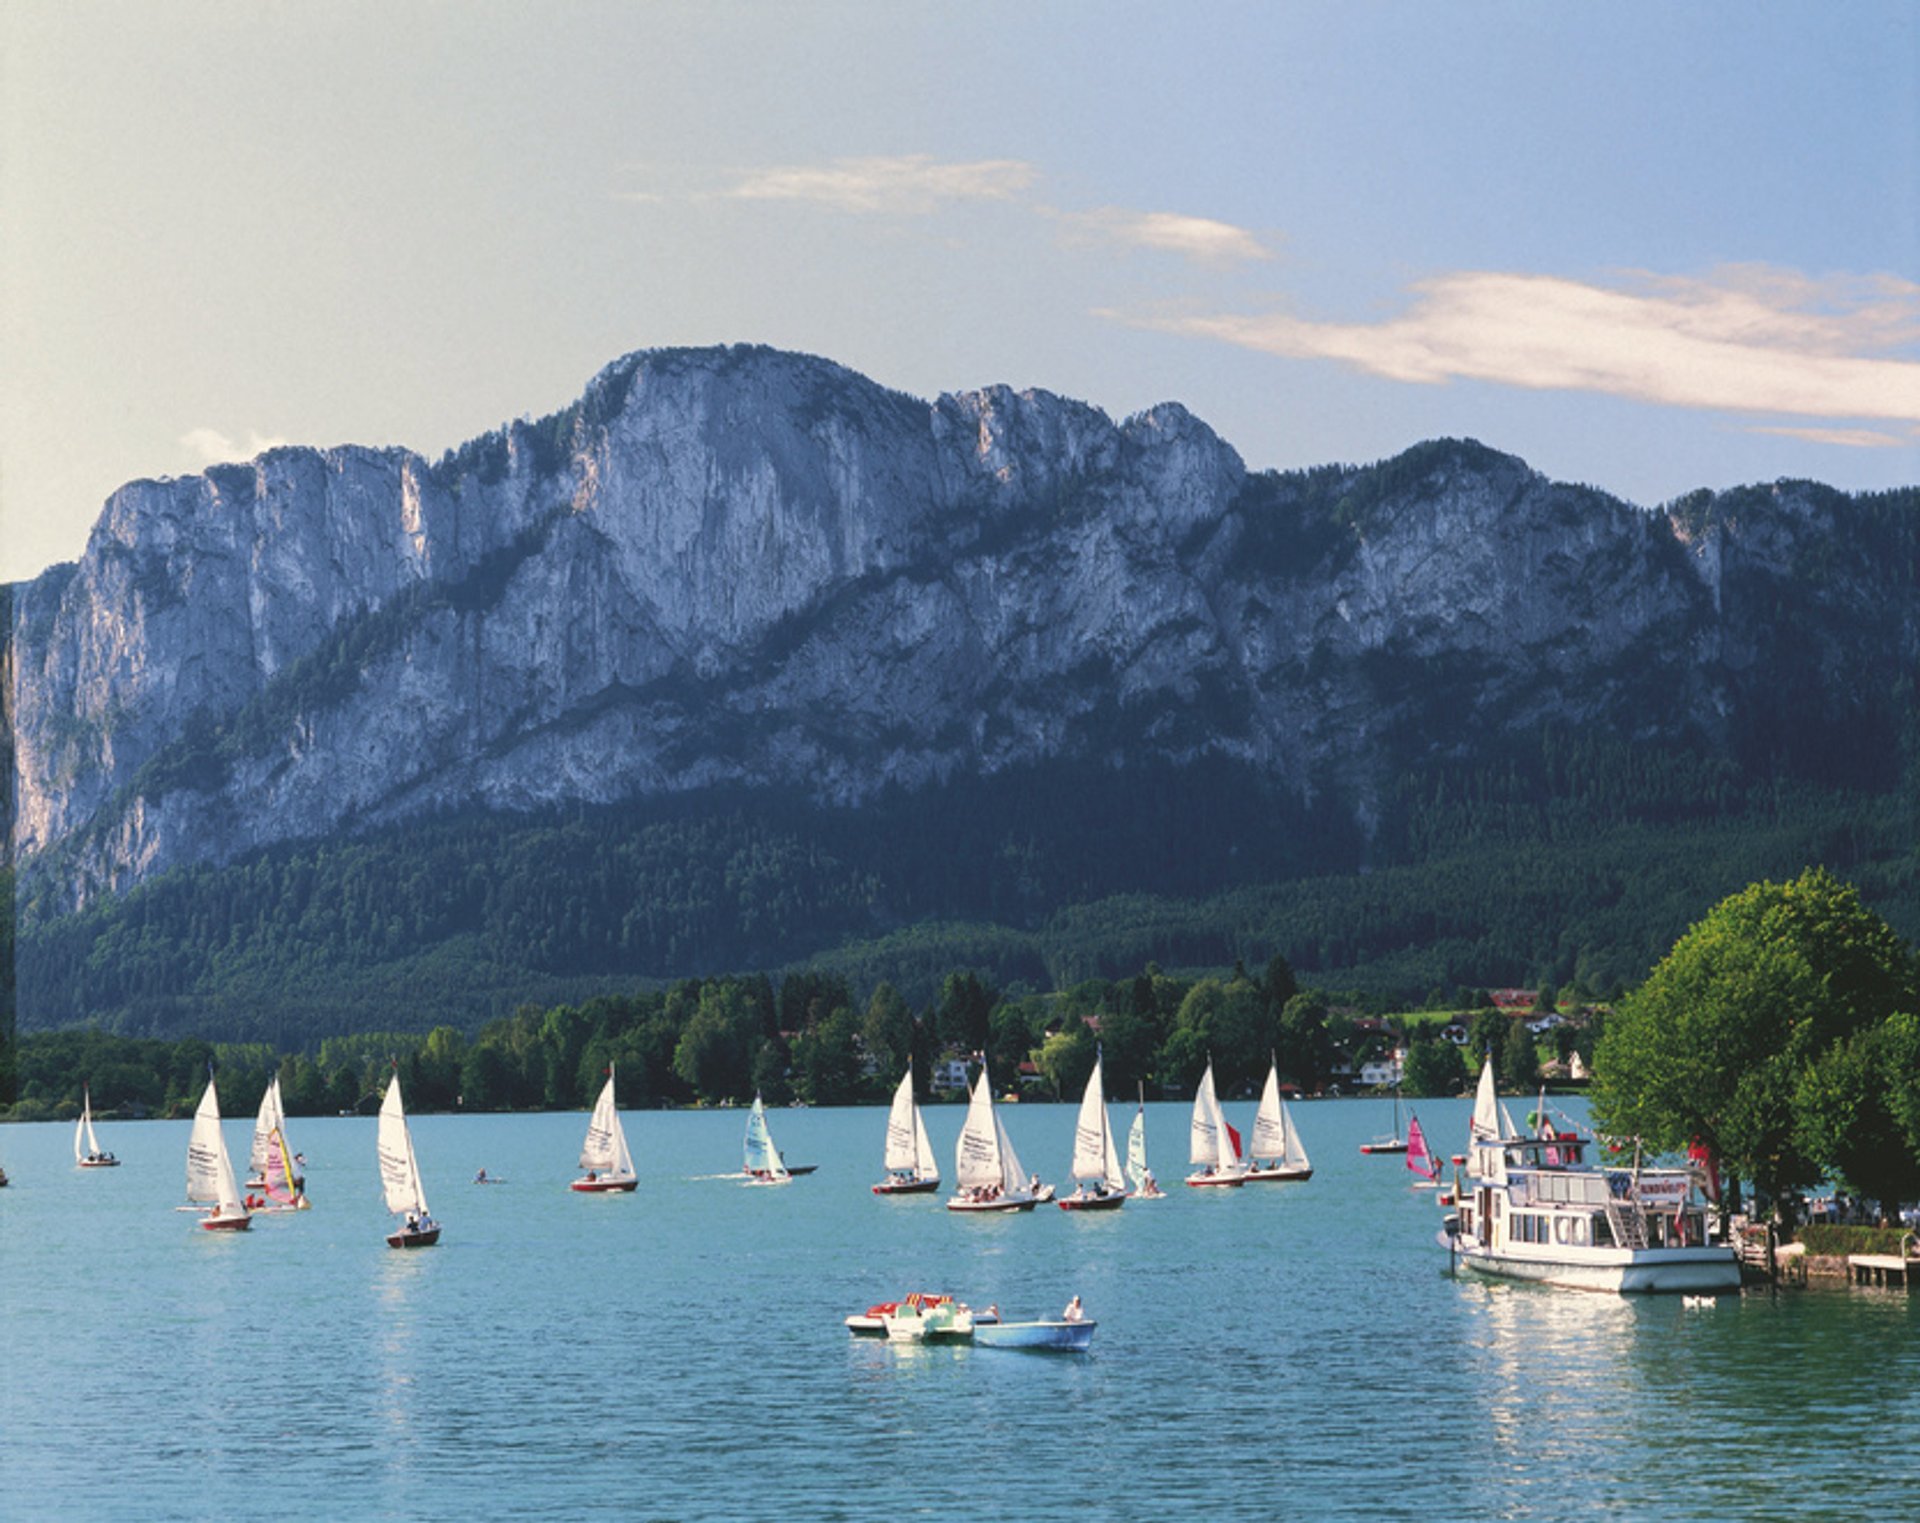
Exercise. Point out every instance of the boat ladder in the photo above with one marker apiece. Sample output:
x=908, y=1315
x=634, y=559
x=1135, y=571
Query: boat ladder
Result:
x=1629, y=1231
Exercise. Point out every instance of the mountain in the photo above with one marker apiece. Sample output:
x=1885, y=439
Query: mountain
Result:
x=743, y=573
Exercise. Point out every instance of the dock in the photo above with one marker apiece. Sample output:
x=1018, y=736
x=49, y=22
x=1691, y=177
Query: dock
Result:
x=1882, y=1269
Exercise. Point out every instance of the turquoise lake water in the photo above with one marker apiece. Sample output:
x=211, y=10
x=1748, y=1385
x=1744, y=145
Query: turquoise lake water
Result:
x=1287, y=1351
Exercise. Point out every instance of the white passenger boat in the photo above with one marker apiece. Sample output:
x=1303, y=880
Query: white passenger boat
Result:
x=1532, y=1208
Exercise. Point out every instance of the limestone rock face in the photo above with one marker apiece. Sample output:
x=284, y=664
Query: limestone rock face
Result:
x=747, y=567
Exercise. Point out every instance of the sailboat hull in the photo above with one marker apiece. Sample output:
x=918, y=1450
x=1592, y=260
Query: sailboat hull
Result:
x=604, y=1186
x=1278, y=1175
x=1079, y=1202
x=1395, y=1146
x=226, y=1223
x=1205, y=1181
x=1004, y=1203
x=414, y=1239
x=906, y=1187
x=99, y=1163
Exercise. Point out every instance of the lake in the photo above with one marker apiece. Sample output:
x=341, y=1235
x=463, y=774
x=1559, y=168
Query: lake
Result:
x=1280, y=1351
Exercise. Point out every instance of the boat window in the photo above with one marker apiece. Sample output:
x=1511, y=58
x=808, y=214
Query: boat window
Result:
x=1602, y=1231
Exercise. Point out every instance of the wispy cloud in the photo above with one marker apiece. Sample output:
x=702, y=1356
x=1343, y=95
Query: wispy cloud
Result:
x=1198, y=238
x=1745, y=339
x=1846, y=438
x=908, y=183
x=208, y=446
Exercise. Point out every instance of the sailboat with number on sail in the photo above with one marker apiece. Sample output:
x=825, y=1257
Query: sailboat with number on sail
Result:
x=1212, y=1146
x=1096, y=1161
x=604, y=1155
x=911, y=1169
x=986, y=1168
x=87, y=1151
x=400, y=1176
x=210, y=1181
x=1277, y=1152
x=1145, y=1187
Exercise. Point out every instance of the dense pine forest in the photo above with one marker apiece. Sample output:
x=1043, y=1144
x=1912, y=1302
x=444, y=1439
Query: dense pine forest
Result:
x=1570, y=862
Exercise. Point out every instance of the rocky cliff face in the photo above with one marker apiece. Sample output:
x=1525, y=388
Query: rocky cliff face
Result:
x=746, y=567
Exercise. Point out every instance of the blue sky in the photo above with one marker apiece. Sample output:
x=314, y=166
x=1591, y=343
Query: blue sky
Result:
x=1651, y=247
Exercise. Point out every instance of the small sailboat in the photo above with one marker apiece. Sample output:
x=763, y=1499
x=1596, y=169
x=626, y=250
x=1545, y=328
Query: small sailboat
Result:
x=1096, y=1162
x=604, y=1155
x=909, y=1155
x=1420, y=1159
x=1212, y=1145
x=1145, y=1187
x=274, y=1168
x=986, y=1169
x=1278, y=1153
x=210, y=1181
x=400, y=1176
x=1397, y=1141
x=764, y=1163
x=87, y=1151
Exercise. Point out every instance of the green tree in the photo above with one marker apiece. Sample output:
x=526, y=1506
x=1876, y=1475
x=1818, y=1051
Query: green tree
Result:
x=1717, y=1041
x=1848, y=1105
x=714, y=1057
x=826, y=1059
x=1305, y=1044
x=1066, y=1058
x=965, y=1012
x=1433, y=1067
x=1520, y=1061
x=886, y=1032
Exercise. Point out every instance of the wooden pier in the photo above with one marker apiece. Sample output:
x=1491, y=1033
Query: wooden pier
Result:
x=1882, y=1269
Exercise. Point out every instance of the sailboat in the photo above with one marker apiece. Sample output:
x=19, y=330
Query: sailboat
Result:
x=764, y=1163
x=1144, y=1185
x=1395, y=1143
x=604, y=1155
x=1419, y=1159
x=400, y=1176
x=1277, y=1151
x=1096, y=1162
x=1212, y=1145
x=210, y=1181
x=986, y=1169
x=86, y=1146
x=275, y=1168
x=909, y=1155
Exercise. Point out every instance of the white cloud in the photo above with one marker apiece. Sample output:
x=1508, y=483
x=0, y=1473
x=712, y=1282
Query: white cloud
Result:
x=1198, y=238
x=208, y=446
x=909, y=183
x=1846, y=438
x=1746, y=339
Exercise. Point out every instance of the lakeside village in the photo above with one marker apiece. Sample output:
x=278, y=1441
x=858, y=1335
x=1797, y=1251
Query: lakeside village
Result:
x=1757, y=1096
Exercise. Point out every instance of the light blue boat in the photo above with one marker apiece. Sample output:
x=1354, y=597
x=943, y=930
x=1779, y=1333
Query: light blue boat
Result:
x=1065, y=1337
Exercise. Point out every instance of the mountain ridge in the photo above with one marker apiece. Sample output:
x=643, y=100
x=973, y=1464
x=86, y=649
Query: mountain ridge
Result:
x=739, y=568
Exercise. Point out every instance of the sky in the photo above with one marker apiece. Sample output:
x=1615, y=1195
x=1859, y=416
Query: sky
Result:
x=1649, y=247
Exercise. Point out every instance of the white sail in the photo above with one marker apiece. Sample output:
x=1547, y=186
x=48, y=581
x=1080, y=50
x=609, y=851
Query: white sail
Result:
x=399, y=1170
x=976, y=1156
x=1210, y=1144
x=1094, y=1156
x=85, y=1144
x=272, y=1118
x=1269, y=1125
x=605, y=1150
x=1295, y=1156
x=908, y=1150
x=1485, y=1126
x=209, y=1171
x=1137, y=1148
x=762, y=1157
x=1013, y=1178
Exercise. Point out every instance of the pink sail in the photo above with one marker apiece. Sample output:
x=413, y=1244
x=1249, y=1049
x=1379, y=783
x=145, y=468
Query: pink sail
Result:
x=1419, y=1159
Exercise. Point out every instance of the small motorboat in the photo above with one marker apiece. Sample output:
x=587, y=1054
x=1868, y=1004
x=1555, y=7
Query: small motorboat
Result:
x=1057, y=1337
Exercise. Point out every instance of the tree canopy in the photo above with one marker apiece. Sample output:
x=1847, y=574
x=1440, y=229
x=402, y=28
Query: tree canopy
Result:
x=1754, y=1037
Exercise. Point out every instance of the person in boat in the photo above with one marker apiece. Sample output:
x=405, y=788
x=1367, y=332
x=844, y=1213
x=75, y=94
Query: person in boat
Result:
x=480, y=1178
x=1074, y=1312
x=592, y=1175
x=413, y=1222
x=1148, y=1184
x=1033, y=1185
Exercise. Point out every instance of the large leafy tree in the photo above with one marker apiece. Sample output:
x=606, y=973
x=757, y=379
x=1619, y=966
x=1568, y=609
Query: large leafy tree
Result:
x=1849, y=1108
x=1715, y=1044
